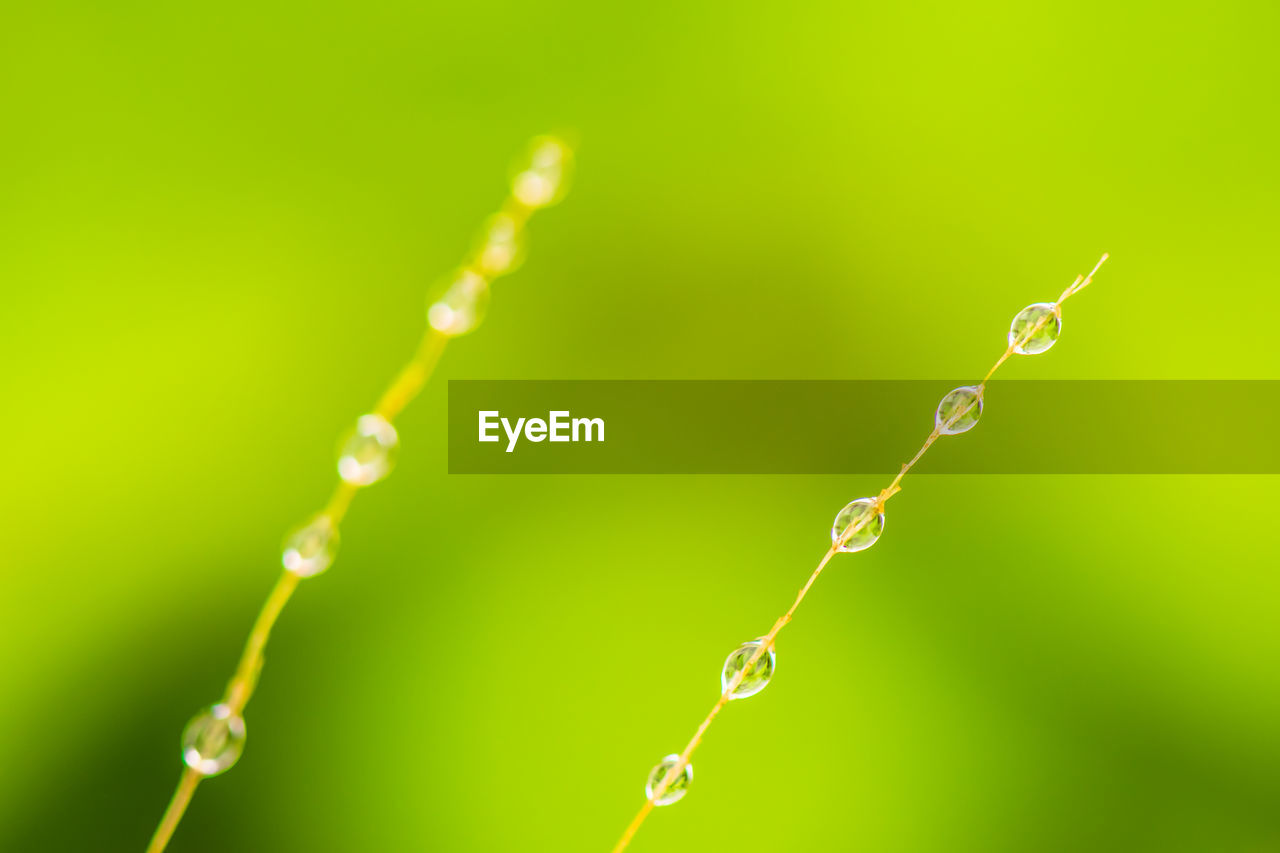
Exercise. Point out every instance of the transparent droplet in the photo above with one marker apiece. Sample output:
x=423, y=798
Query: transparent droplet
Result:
x=865, y=512
x=311, y=548
x=369, y=451
x=959, y=410
x=500, y=246
x=462, y=306
x=755, y=678
x=542, y=175
x=213, y=740
x=1035, y=328
x=671, y=793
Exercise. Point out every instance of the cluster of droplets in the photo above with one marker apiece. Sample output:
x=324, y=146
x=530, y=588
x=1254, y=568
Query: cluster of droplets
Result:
x=746, y=671
x=857, y=527
x=214, y=739
x=541, y=178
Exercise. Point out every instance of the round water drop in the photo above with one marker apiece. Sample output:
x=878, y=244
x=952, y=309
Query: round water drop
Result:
x=213, y=740
x=533, y=188
x=868, y=515
x=463, y=305
x=959, y=410
x=755, y=678
x=368, y=453
x=1035, y=328
x=673, y=792
x=311, y=548
x=500, y=246
x=542, y=175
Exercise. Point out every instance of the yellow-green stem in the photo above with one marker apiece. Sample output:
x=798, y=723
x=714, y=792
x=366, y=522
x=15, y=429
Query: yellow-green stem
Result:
x=767, y=641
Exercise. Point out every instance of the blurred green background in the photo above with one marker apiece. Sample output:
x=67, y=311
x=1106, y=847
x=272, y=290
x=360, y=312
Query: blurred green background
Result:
x=217, y=225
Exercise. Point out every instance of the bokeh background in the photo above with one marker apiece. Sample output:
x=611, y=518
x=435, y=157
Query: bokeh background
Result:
x=217, y=226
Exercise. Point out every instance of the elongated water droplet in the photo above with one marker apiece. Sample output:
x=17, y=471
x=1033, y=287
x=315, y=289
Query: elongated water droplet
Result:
x=1035, y=328
x=213, y=740
x=542, y=175
x=756, y=677
x=868, y=515
x=462, y=306
x=500, y=246
x=368, y=452
x=311, y=548
x=959, y=410
x=678, y=787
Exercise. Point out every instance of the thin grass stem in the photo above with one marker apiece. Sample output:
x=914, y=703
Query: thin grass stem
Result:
x=541, y=183
x=767, y=641
x=176, y=809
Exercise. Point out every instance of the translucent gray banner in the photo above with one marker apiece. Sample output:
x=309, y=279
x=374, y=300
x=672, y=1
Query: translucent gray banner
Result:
x=860, y=427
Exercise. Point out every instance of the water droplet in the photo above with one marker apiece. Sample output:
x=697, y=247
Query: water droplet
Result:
x=542, y=176
x=959, y=410
x=500, y=246
x=310, y=549
x=213, y=740
x=368, y=452
x=1035, y=328
x=671, y=793
x=463, y=305
x=865, y=512
x=755, y=678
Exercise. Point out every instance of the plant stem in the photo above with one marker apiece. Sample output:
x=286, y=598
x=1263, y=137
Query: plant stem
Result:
x=241, y=686
x=177, y=808
x=403, y=389
x=1080, y=283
